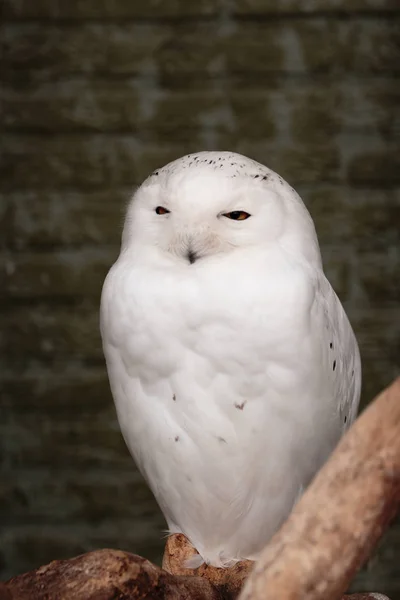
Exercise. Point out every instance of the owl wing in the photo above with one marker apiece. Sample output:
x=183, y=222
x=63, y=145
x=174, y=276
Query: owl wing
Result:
x=339, y=352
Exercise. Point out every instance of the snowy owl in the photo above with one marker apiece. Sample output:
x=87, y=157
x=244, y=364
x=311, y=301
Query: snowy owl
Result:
x=232, y=364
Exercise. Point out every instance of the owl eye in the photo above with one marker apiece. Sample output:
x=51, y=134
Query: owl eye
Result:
x=160, y=210
x=237, y=215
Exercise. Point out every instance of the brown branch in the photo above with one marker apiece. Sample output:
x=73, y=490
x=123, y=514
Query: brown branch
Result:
x=229, y=581
x=341, y=516
x=117, y=575
x=105, y=575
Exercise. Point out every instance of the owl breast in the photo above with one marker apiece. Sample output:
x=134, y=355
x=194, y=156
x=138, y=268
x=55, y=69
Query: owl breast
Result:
x=223, y=395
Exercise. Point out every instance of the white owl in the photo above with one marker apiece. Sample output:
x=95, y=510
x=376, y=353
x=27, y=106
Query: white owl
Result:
x=232, y=364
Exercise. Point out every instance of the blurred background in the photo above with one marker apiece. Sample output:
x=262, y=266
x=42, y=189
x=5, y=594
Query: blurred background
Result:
x=95, y=95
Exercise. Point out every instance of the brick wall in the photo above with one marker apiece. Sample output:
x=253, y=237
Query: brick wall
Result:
x=96, y=94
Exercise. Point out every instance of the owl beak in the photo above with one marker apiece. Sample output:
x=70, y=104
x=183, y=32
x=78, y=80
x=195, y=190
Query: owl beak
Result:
x=191, y=247
x=191, y=256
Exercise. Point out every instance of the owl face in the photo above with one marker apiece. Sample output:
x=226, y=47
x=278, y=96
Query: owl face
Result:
x=191, y=214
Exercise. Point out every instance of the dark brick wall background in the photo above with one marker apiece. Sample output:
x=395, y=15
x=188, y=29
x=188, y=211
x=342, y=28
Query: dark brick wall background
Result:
x=95, y=95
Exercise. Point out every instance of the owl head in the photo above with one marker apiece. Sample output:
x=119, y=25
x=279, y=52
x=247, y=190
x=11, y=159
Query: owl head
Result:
x=212, y=204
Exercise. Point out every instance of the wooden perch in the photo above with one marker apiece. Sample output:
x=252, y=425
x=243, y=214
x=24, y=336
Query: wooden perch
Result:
x=230, y=581
x=314, y=556
x=116, y=575
x=106, y=575
x=341, y=516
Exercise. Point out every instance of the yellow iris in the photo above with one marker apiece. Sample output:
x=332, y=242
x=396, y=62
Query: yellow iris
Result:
x=237, y=215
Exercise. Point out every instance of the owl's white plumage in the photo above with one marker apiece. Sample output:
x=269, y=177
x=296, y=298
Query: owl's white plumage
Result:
x=232, y=364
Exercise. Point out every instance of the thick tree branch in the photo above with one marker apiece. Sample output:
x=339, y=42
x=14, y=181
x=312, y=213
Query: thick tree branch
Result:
x=230, y=581
x=106, y=575
x=341, y=516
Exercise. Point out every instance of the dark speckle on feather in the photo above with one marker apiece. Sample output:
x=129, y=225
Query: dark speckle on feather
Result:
x=222, y=440
x=211, y=160
x=177, y=438
x=240, y=406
